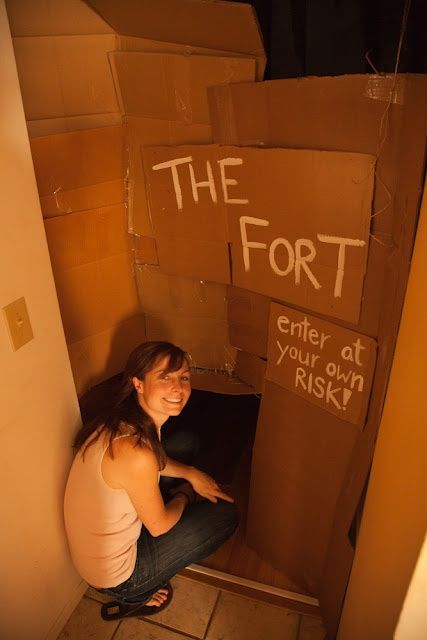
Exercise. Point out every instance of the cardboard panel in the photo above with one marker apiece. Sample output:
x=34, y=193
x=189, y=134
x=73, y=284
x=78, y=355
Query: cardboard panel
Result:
x=250, y=369
x=50, y=126
x=342, y=113
x=100, y=356
x=80, y=238
x=162, y=293
x=173, y=87
x=50, y=17
x=300, y=456
x=205, y=339
x=95, y=296
x=220, y=382
x=298, y=220
x=327, y=365
x=131, y=43
x=184, y=193
x=191, y=22
x=248, y=315
x=194, y=259
x=191, y=313
x=48, y=67
x=345, y=113
x=84, y=198
x=153, y=131
x=69, y=161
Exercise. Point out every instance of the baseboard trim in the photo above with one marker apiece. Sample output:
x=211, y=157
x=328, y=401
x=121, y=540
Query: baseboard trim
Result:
x=252, y=585
x=66, y=612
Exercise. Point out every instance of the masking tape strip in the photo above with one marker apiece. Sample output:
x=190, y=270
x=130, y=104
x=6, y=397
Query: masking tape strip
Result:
x=385, y=88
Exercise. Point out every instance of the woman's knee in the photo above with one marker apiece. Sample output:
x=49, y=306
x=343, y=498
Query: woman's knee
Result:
x=220, y=517
x=231, y=513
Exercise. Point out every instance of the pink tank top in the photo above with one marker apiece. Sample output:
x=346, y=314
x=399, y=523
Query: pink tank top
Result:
x=101, y=523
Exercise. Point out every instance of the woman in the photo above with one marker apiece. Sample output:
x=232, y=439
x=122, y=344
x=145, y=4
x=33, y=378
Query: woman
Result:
x=125, y=539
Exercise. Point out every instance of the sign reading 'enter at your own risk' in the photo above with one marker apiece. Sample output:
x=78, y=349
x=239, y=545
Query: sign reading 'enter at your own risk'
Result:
x=297, y=220
x=328, y=365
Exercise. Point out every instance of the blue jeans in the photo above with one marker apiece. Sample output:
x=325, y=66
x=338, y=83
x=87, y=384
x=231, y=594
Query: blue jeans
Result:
x=202, y=528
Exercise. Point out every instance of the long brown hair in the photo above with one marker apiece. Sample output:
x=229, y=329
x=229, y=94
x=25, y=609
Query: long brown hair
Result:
x=122, y=410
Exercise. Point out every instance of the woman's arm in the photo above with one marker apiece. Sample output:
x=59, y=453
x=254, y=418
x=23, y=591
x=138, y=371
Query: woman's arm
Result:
x=136, y=470
x=201, y=482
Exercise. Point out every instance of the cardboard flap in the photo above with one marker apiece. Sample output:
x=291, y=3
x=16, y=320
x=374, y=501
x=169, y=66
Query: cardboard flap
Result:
x=205, y=339
x=324, y=363
x=248, y=316
x=220, y=25
x=173, y=86
x=162, y=293
x=49, y=67
x=68, y=161
x=53, y=17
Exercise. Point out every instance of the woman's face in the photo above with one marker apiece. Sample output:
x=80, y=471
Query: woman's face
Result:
x=163, y=394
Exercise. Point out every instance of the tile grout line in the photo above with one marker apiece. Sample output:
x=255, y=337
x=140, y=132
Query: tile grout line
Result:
x=153, y=622
x=116, y=629
x=214, y=608
x=179, y=632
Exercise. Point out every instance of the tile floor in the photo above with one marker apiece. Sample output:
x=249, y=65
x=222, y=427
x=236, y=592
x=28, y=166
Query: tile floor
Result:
x=199, y=612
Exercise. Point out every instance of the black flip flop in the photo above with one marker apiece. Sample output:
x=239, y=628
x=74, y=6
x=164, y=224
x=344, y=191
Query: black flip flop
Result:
x=115, y=609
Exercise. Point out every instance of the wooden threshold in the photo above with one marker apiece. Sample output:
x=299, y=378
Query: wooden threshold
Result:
x=252, y=589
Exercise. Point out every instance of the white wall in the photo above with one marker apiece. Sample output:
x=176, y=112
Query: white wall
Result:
x=39, y=410
x=412, y=623
x=394, y=522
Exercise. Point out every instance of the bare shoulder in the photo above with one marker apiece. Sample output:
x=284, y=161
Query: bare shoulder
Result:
x=129, y=460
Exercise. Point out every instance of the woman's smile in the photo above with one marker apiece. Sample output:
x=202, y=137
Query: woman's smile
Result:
x=163, y=393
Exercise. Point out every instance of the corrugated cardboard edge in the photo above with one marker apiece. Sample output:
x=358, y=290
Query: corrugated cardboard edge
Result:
x=220, y=383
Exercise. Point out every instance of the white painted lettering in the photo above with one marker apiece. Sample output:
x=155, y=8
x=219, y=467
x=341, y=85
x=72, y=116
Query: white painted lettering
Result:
x=272, y=257
x=313, y=336
x=293, y=353
x=195, y=186
x=282, y=351
x=342, y=242
x=323, y=338
x=343, y=376
x=301, y=261
x=347, y=353
x=330, y=395
x=314, y=359
x=282, y=322
x=356, y=377
x=331, y=369
x=300, y=375
x=246, y=245
x=172, y=165
x=226, y=182
x=358, y=346
x=319, y=387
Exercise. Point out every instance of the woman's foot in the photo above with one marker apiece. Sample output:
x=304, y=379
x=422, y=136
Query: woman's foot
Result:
x=158, y=601
x=158, y=598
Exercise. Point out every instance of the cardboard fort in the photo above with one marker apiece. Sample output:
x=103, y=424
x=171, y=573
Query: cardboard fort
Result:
x=315, y=460
x=87, y=119
x=267, y=227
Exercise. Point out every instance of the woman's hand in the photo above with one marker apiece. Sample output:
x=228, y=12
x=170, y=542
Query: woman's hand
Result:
x=206, y=486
